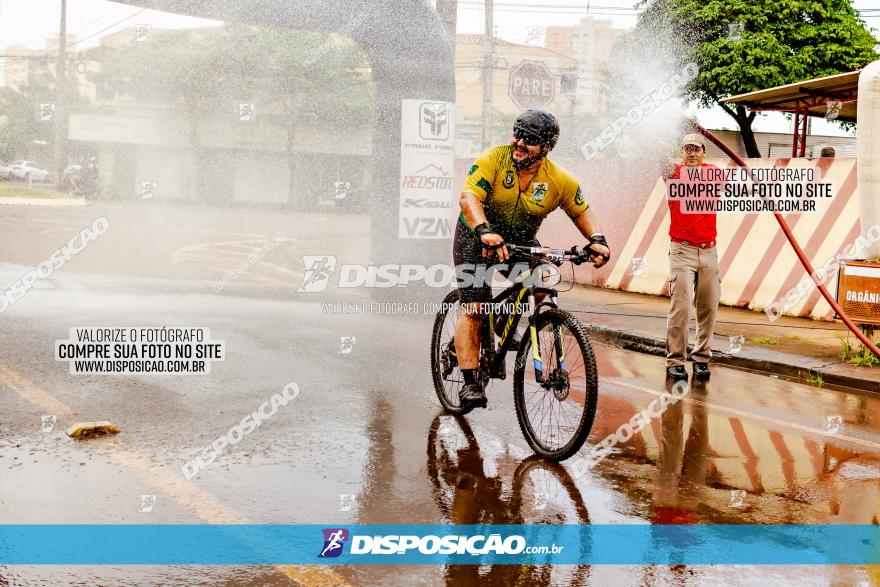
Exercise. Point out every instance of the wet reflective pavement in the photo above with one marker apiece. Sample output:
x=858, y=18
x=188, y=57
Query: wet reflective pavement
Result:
x=366, y=442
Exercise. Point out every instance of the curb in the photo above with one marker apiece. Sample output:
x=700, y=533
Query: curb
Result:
x=657, y=347
x=44, y=202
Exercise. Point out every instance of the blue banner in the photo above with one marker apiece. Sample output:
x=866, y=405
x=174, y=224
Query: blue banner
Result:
x=267, y=544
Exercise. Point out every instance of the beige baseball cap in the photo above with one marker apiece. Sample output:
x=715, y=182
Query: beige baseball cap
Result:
x=693, y=139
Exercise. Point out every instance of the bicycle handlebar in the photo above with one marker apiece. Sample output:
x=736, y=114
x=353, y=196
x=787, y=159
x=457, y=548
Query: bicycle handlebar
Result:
x=556, y=256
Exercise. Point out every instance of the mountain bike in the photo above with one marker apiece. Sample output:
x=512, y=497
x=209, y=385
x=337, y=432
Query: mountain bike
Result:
x=555, y=380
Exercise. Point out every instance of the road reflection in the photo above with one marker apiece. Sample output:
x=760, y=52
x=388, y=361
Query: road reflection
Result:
x=474, y=484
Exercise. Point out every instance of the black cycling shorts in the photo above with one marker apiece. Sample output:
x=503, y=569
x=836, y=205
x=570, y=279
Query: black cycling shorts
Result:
x=467, y=252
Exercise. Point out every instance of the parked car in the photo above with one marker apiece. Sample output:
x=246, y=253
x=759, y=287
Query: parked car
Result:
x=5, y=172
x=28, y=171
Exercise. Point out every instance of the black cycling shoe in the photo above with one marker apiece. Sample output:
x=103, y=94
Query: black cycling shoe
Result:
x=701, y=370
x=472, y=396
x=677, y=372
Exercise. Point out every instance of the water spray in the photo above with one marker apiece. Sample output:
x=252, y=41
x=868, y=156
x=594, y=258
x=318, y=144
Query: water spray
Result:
x=797, y=249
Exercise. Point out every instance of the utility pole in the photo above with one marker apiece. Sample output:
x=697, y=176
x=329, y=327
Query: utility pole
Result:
x=60, y=113
x=488, y=73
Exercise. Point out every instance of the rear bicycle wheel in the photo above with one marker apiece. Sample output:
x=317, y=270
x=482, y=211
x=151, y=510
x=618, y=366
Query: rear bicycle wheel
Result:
x=448, y=379
x=556, y=415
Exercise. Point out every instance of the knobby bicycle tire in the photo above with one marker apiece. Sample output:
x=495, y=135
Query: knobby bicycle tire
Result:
x=436, y=343
x=557, y=317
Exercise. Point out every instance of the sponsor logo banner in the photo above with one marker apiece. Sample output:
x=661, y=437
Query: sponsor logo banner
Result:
x=608, y=544
x=427, y=158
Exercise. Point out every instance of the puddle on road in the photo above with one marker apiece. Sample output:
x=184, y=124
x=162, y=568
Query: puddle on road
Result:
x=741, y=448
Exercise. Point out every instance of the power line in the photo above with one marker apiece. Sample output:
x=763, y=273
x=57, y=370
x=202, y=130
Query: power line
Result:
x=95, y=34
x=118, y=10
x=111, y=26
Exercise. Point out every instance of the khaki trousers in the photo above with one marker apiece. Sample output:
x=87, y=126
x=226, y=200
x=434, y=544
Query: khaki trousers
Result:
x=693, y=280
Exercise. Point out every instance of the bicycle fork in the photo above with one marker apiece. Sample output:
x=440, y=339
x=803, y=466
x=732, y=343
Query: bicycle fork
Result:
x=536, y=347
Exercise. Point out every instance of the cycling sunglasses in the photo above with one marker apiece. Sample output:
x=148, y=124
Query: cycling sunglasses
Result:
x=527, y=137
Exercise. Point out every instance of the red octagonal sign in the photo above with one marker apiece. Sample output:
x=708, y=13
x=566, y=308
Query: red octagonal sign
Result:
x=531, y=85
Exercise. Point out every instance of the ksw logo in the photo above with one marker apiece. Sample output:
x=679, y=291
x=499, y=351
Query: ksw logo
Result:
x=423, y=203
x=434, y=121
x=334, y=540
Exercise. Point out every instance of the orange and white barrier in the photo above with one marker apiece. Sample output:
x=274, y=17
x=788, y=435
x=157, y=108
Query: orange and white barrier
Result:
x=758, y=266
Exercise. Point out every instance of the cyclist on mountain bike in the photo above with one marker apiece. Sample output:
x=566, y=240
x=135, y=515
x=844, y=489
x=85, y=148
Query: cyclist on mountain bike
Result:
x=509, y=191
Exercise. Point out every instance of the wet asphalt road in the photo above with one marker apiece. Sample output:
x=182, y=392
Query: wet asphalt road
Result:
x=366, y=441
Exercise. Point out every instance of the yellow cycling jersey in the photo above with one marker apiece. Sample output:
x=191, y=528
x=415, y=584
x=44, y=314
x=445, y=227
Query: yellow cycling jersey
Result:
x=517, y=215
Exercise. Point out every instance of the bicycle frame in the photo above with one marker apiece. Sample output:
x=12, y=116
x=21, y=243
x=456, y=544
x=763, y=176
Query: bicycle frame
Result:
x=498, y=349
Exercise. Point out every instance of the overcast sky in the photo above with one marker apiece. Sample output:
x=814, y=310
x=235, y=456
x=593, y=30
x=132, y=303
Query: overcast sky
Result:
x=30, y=22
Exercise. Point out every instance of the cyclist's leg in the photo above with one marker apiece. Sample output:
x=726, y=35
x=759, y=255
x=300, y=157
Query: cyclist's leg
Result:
x=467, y=337
x=473, y=291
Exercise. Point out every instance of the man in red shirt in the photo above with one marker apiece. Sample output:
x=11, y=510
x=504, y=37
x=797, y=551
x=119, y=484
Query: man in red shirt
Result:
x=693, y=270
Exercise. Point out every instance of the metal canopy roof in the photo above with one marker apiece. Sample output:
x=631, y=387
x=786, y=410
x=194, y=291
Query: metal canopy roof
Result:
x=807, y=97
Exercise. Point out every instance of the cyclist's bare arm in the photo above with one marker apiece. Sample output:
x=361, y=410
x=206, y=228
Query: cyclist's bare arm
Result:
x=588, y=224
x=472, y=209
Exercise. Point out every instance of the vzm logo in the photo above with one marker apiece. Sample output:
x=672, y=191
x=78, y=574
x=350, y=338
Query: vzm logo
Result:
x=434, y=121
x=508, y=180
x=435, y=227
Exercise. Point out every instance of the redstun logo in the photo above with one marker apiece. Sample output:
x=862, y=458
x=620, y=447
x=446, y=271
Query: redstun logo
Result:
x=429, y=177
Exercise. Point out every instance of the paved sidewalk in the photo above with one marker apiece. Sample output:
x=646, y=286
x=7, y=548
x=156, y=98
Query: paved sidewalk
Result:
x=793, y=347
x=42, y=202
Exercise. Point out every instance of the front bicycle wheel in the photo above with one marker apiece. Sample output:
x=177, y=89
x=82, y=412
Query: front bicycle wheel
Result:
x=556, y=386
x=448, y=379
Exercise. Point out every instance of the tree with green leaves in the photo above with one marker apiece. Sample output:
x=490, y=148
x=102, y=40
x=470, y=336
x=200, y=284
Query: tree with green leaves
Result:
x=292, y=77
x=20, y=126
x=743, y=45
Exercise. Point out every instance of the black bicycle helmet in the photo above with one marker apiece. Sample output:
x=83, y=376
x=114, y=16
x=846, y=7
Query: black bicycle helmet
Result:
x=541, y=124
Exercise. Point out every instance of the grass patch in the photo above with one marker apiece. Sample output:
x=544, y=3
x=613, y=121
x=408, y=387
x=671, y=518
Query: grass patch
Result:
x=765, y=340
x=20, y=190
x=861, y=356
x=816, y=378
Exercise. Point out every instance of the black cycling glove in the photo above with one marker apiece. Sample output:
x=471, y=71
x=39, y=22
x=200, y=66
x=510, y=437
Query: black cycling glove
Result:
x=599, y=239
x=484, y=228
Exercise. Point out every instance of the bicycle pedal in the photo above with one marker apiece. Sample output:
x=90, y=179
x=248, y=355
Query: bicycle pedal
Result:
x=499, y=374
